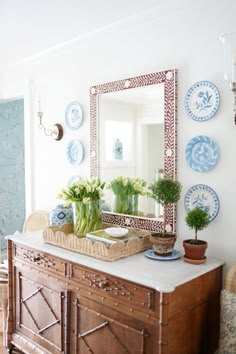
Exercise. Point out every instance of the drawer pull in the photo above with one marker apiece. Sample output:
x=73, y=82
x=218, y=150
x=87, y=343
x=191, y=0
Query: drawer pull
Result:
x=36, y=258
x=103, y=284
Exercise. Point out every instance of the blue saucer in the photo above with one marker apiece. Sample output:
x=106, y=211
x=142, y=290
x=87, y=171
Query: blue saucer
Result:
x=151, y=254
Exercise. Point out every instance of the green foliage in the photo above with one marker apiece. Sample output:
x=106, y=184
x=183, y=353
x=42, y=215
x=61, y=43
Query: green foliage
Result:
x=128, y=186
x=165, y=191
x=197, y=219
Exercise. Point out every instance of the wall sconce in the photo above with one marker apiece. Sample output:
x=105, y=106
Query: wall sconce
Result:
x=56, y=132
x=229, y=46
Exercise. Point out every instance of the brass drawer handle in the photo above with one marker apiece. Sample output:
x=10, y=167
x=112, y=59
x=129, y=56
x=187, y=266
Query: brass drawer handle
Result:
x=36, y=258
x=103, y=284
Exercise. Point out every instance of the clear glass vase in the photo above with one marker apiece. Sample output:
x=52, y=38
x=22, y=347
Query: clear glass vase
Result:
x=133, y=204
x=126, y=204
x=87, y=217
x=121, y=203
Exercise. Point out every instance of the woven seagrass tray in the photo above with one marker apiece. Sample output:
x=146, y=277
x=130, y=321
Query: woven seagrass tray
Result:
x=64, y=238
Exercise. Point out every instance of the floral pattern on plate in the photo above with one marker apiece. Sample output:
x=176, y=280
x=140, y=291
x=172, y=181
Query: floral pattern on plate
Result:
x=73, y=115
x=75, y=152
x=204, y=197
x=201, y=153
x=202, y=100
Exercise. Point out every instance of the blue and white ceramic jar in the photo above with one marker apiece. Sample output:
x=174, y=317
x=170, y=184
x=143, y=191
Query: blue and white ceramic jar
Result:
x=61, y=215
x=118, y=150
x=105, y=206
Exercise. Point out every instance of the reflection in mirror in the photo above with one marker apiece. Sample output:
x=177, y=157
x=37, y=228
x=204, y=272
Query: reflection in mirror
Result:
x=133, y=134
x=131, y=139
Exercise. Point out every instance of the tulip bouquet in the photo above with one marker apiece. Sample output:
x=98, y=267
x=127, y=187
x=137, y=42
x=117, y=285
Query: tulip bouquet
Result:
x=126, y=191
x=85, y=196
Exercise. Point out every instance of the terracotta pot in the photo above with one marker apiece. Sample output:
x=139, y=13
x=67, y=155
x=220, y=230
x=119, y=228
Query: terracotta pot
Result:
x=195, y=252
x=163, y=246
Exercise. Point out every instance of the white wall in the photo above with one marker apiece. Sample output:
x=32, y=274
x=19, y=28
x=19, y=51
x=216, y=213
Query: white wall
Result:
x=181, y=35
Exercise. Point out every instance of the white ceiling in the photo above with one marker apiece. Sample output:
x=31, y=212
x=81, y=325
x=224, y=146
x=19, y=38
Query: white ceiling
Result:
x=28, y=27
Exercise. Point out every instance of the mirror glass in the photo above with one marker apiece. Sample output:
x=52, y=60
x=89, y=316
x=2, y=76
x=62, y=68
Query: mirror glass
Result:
x=133, y=131
x=131, y=139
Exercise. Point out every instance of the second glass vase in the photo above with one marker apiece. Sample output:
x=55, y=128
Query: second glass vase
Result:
x=121, y=203
x=126, y=204
x=133, y=204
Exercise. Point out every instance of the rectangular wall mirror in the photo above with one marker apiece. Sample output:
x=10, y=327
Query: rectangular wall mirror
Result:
x=133, y=134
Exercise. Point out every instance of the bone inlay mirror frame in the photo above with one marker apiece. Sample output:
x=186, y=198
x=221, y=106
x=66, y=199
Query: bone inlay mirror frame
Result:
x=169, y=79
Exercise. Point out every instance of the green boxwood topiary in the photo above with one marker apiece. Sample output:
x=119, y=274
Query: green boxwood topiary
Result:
x=197, y=219
x=165, y=191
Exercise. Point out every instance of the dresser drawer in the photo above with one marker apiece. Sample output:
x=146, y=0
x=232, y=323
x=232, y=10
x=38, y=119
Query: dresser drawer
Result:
x=40, y=259
x=106, y=286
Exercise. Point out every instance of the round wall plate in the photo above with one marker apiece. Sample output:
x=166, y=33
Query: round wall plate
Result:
x=203, y=197
x=72, y=180
x=202, y=100
x=73, y=115
x=201, y=153
x=75, y=152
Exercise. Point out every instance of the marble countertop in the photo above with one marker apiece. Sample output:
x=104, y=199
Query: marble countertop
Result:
x=164, y=276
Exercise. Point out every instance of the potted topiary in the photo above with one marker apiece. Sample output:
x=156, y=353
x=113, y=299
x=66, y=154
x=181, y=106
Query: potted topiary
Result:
x=197, y=219
x=165, y=191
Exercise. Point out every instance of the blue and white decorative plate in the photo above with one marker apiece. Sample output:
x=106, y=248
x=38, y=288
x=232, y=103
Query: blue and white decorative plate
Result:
x=202, y=100
x=74, y=115
x=151, y=254
x=73, y=179
x=201, y=153
x=75, y=152
x=204, y=197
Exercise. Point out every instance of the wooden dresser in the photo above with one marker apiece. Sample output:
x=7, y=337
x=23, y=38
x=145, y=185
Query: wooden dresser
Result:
x=63, y=302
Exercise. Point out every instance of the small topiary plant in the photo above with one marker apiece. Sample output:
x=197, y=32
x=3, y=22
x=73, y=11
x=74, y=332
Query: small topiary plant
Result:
x=165, y=191
x=197, y=219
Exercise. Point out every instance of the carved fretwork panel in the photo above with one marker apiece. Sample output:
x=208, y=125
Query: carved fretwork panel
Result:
x=100, y=333
x=89, y=311
x=42, y=313
x=120, y=290
x=41, y=260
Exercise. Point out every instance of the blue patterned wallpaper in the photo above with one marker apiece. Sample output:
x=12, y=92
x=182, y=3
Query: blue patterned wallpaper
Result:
x=12, y=170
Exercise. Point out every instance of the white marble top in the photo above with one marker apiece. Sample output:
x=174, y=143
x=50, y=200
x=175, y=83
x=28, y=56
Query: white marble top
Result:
x=163, y=276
